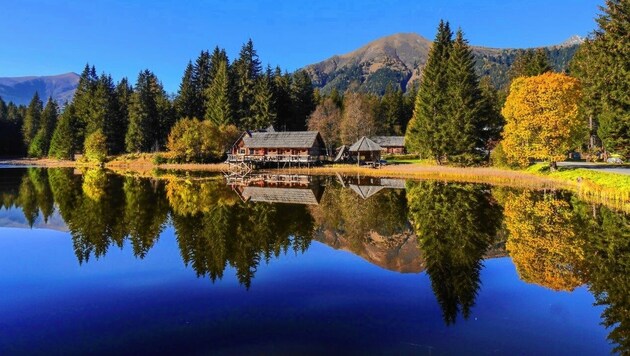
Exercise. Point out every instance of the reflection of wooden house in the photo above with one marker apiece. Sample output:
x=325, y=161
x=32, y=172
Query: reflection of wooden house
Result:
x=299, y=147
x=391, y=144
x=287, y=189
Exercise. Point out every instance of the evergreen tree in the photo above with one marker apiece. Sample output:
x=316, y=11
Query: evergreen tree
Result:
x=201, y=81
x=463, y=130
x=150, y=115
x=41, y=143
x=82, y=100
x=32, y=119
x=217, y=57
x=425, y=133
x=602, y=66
x=219, y=108
x=529, y=63
x=245, y=70
x=104, y=112
x=391, y=111
x=282, y=93
x=186, y=102
x=11, y=118
x=63, y=143
x=302, y=100
x=3, y=110
x=264, y=106
x=122, y=94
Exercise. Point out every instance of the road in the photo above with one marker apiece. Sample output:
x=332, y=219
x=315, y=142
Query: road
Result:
x=610, y=168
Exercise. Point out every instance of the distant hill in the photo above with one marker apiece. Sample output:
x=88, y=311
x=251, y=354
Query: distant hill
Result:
x=399, y=59
x=20, y=90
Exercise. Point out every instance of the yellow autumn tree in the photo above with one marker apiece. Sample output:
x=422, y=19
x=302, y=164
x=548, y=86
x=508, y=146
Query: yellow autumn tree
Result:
x=542, y=240
x=542, y=119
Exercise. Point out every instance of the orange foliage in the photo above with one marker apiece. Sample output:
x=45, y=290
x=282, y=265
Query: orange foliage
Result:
x=542, y=120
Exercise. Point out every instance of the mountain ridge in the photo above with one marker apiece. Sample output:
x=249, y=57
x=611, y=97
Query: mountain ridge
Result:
x=20, y=90
x=399, y=59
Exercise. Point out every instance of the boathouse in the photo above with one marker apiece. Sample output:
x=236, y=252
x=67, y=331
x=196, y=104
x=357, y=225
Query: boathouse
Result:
x=391, y=144
x=292, y=147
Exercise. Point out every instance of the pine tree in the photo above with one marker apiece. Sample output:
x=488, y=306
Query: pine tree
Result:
x=41, y=142
x=540, y=63
x=529, y=63
x=201, y=80
x=150, y=115
x=282, y=93
x=218, y=97
x=245, y=71
x=264, y=106
x=464, y=125
x=63, y=142
x=425, y=133
x=217, y=57
x=602, y=66
x=104, y=112
x=186, y=102
x=302, y=100
x=82, y=100
x=122, y=95
x=32, y=119
x=391, y=111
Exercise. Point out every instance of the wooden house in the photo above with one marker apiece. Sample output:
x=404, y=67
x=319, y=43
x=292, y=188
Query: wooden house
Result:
x=299, y=147
x=391, y=144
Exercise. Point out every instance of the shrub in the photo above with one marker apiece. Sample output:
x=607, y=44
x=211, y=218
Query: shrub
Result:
x=192, y=140
x=159, y=159
x=96, y=147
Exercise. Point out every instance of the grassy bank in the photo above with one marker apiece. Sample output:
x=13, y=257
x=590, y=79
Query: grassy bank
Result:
x=610, y=188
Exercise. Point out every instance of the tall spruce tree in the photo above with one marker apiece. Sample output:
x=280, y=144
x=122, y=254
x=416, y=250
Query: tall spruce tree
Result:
x=245, y=71
x=602, y=66
x=282, y=93
x=150, y=115
x=426, y=131
x=463, y=129
x=32, y=119
x=391, y=111
x=83, y=98
x=217, y=57
x=187, y=103
x=120, y=123
x=201, y=81
x=302, y=100
x=63, y=143
x=264, y=106
x=41, y=142
x=219, y=109
x=529, y=63
x=104, y=112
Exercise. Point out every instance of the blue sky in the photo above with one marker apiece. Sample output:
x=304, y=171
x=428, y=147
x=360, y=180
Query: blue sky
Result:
x=43, y=37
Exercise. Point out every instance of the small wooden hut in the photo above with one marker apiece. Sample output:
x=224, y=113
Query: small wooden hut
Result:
x=391, y=144
x=366, y=150
x=291, y=147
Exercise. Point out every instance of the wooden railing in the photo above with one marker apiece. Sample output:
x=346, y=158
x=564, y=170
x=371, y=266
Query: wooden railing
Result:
x=272, y=158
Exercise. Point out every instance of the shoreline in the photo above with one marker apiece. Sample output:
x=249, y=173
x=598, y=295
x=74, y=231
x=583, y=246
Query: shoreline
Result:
x=585, y=188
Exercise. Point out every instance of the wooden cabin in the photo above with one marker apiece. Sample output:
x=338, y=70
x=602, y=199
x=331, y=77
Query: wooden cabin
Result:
x=391, y=144
x=300, y=147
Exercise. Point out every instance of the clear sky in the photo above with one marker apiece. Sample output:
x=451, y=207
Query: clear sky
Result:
x=43, y=37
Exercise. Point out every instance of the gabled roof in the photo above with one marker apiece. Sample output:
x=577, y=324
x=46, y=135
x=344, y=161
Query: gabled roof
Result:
x=365, y=191
x=287, y=139
x=389, y=141
x=280, y=195
x=365, y=145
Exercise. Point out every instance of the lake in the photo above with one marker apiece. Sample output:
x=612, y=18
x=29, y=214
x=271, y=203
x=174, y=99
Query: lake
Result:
x=96, y=263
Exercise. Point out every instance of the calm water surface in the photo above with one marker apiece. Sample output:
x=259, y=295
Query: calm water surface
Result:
x=95, y=263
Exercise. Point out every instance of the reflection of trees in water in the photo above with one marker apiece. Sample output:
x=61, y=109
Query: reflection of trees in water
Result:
x=542, y=240
x=555, y=240
x=220, y=230
x=560, y=242
x=455, y=225
x=345, y=213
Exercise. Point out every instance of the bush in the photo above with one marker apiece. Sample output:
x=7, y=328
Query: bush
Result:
x=192, y=140
x=96, y=147
x=159, y=159
x=498, y=158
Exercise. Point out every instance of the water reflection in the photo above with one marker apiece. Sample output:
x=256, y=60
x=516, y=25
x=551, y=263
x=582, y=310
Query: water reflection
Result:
x=555, y=240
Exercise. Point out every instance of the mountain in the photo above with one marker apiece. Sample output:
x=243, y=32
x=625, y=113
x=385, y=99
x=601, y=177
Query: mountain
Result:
x=20, y=90
x=399, y=59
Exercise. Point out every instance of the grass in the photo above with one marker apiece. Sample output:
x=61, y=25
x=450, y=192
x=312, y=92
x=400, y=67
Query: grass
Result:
x=591, y=184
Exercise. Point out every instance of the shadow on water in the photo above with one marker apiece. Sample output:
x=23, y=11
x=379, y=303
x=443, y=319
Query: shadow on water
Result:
x=444, y=229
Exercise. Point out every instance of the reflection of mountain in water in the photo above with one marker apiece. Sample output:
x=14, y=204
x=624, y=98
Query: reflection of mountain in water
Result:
x=14, y=217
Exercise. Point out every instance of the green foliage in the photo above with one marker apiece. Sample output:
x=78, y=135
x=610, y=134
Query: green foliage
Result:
x=219, y=108
x=150, y=115
x=601, y=66
x=96, y=147
x=192, y=140
x=302, y=100
x=11, y=119
x=529, y=63
x=245, y=71
x=32, y=119
x=63, y=143
x=186, y=103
